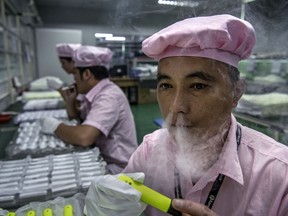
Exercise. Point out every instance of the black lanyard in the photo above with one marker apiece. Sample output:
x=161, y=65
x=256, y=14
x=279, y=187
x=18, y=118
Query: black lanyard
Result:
x=217, y=183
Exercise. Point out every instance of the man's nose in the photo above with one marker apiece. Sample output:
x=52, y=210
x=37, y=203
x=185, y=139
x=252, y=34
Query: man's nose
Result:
x=179, y=103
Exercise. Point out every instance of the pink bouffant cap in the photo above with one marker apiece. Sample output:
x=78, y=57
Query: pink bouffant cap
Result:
x=89, y=56
x=224, y=38
x=66, y=49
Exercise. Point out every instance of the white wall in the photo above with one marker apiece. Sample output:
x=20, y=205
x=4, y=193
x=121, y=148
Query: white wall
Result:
x=48, y=61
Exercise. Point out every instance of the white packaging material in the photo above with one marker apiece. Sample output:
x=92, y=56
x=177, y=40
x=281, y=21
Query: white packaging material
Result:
x=43, y=104
x=29, y=140
x=36, y=115
x=47, y=177
x=57, y=205
x=33, y=187
x=26, y=195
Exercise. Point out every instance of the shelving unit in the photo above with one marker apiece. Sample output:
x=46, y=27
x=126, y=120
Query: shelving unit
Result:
x=275, y=128
x=129, y=53
x=17, y=60
x=142, y=60
x=123, y=50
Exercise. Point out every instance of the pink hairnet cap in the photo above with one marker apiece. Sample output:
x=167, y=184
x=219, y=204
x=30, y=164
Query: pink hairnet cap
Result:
x=221, y=37
x=88, y=56
x=66, y=49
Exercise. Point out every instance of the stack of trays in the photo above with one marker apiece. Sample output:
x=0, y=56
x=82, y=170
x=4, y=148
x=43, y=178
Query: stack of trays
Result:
x=45, y=178
x=31, y=116
x=43, y=104
x=28, y=140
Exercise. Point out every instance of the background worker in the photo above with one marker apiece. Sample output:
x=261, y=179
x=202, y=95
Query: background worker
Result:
x=107, y=118
x=203, y=155
x=65, y=54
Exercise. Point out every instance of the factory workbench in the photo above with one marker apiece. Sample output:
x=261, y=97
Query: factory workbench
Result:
x=8, y=129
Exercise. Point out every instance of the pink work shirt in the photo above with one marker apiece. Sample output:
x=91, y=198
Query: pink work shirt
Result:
x=106, y=108
x=256, y=181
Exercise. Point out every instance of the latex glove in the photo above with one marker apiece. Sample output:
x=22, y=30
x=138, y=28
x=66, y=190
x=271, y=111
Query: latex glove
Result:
x=54, y=83
x=107, y=195
x=49, y=125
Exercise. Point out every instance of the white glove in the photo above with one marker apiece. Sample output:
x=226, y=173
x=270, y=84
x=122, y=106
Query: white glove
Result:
x=107, y=195
x=49, y=125
x=54, y=84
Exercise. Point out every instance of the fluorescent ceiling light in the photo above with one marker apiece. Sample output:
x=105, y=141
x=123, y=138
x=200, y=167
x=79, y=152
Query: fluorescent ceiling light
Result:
x=247, y=1
x=115, y=38
x=179, y=3
x=101, y=35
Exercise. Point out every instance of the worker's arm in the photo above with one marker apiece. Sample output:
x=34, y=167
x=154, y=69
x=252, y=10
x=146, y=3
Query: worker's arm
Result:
x=81, y=135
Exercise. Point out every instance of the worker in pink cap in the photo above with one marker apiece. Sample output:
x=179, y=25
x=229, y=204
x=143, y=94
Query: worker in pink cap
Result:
x=65, y=53
x=107, y=120
x=204, y=160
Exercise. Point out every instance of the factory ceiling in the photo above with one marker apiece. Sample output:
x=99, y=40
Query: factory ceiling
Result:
x=150, y=12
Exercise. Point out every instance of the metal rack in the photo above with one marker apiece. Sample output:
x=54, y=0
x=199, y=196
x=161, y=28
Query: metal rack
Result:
x=16, y=49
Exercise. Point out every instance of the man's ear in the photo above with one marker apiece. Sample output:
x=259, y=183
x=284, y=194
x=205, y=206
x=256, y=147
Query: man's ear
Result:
x=238, y=91
x=87, y=74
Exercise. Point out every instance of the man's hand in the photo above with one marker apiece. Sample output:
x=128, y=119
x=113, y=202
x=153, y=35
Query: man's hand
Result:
x=49, y=125
x=190, y=208
x=69, y=94
x=107, y=195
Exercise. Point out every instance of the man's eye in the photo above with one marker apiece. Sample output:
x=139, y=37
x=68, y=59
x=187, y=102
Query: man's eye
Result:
x=199, y=86
x=164, y=86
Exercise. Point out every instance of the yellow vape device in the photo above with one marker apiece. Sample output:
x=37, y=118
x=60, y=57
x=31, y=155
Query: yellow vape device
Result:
x=151, y=197
x=31, y=213
x=47, y=212
x=68, y=210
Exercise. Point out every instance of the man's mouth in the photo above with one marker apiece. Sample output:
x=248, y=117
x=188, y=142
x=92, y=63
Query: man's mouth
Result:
x=181, y=125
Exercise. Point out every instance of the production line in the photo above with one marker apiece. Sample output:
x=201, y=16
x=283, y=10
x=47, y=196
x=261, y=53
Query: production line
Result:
x=42, y=167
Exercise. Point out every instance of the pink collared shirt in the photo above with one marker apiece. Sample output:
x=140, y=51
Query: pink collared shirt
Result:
x=106, y=108
x=256, y=176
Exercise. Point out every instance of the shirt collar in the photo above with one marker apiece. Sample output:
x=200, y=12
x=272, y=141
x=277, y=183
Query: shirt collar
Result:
x=229, y=164
x=96, y=89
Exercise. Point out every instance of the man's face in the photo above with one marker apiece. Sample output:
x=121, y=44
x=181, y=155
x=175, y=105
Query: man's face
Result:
x=80, y=83
x=196, y=93
x=68, y=66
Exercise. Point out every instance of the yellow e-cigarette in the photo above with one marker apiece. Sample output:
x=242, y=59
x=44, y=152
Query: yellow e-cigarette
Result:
x=68, y=210
x=31, y=213
x=151, y=197
x=47, y=212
